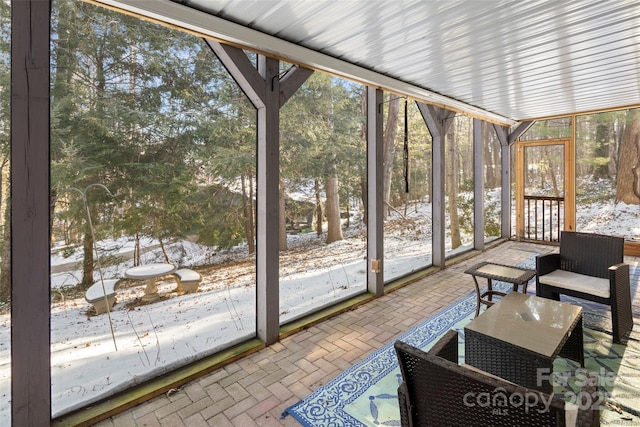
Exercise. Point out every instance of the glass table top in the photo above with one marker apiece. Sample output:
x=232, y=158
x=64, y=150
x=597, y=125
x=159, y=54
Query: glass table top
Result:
x=492, y=270
x=530, y=322
x=500, y=270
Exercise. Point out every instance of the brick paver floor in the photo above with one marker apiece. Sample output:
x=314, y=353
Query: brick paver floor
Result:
x=255, y=390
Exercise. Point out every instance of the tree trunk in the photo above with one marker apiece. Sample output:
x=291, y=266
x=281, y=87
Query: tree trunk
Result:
x=87, y=265
x=614, y=147
x=164, y=251
x=363, y=171
x=282, y=241
x=334, y=230
x=5, y=274
x=348, y=222
x=248, y=216
x=5, y=267
x=452, y=191
x=137, y=258
x=490, y=158
x=601, y=150
x=365, y=200
x=497, y=167
x=389, y=149
x=551, y=170
x=316, y=187
x=252, y=211
x=628, y=179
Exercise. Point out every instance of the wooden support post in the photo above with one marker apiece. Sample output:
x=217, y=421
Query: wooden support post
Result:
x=30, y=287
x=478, y=185
x=438, y=121
x=268, y=255
x=507, y=140
x=267, y=91
x=375, y=206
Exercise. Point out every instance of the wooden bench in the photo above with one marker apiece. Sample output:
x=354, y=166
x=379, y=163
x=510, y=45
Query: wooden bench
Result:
x=188, y=280
x=95, y=295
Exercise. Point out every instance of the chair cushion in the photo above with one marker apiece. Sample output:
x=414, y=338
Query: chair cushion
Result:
x=570, y=414
x=577, y=282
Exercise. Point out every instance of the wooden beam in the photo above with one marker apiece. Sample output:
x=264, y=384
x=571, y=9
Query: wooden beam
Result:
x=241, y=70
x=478, y=185
x=30, y=285
x=268, y=251
x=507, y=140
x=519, y=130
x=505, y=180
x=438, y=122
x=267, y=91
x=375, y=205
x=291, y=81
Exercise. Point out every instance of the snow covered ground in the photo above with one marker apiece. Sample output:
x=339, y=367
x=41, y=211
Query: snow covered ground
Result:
x=88, y=363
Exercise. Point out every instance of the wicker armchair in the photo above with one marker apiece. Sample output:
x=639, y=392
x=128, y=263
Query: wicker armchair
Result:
x=591, y=267
x=436, y=391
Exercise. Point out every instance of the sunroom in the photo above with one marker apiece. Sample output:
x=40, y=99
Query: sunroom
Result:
x=304, y=159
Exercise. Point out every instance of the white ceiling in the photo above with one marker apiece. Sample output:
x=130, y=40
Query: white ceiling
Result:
x=502, y=60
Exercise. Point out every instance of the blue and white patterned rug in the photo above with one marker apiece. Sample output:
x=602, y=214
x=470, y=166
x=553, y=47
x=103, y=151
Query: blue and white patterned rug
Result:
x=366, y=393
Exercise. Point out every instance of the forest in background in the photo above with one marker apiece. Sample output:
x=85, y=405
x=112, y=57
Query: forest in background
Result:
x=151, y=114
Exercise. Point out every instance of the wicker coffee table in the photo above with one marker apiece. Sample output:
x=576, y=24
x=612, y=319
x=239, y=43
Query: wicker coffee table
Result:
x=521, y=335
x=505, y=273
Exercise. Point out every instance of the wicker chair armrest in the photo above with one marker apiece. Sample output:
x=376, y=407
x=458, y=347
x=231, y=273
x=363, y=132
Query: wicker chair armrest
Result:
x=545, y=264
x=620, y=282
x=623, y=267
x=621, y=307
x=447, y=347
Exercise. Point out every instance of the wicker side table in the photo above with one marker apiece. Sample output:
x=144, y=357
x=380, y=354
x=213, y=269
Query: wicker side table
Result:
x=504, y=273
x=521, y=336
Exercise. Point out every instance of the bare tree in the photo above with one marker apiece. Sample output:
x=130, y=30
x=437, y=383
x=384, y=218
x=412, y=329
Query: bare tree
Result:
x=282, y=219
x=247, y=210
x=316, y=190
x=628, y=179
x=451, y=176
x=334, y=229
x=389, y=148
x=5, y=272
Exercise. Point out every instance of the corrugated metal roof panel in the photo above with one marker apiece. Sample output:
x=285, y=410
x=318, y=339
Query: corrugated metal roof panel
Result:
x=517, y=59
